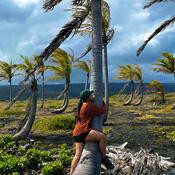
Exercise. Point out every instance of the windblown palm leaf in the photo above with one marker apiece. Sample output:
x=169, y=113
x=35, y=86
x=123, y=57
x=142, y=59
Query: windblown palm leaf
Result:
x=138, y=72
x=156, y=86
x=63, y=34
x=155, y=1
x=166, y=65
x=159, y=29
x=124, y=73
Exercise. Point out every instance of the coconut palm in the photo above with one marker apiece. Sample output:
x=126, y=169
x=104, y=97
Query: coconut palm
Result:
x=126, y=73
x=62, y=70
x=156, y=87
x=166, y=65
x=40, y=70
x=107, y=35
x=90, y=161
x=161, y=28
x=30, y=117
x=7, y=72
x=138, y=77
x=86, y=68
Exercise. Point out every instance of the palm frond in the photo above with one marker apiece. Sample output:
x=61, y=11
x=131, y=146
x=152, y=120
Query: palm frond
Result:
x=155, y=1
x=156, y=32
x=50, y=4
x=89, y=48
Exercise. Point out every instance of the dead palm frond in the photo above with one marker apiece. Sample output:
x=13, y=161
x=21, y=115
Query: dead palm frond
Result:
x=155, y=1
x=156, y=32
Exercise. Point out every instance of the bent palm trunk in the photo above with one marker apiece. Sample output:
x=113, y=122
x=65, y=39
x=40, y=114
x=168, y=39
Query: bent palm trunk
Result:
x=24, y=132
x=131, y=94
x=90, y=160
x=141, y=97
x=64, y=105
x=18, y=96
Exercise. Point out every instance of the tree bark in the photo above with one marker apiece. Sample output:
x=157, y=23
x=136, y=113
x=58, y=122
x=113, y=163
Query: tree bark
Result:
x=24, y=132
x=10, y=91
x=18, y=96
x=90, y=160
x=106, y=82
x=141, y=97
x=131, y=94
x=64, y=105
x=87, y=81
x=42, y=105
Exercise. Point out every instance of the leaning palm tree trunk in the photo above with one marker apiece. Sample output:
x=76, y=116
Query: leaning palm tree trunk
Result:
x=90, y=160
x=123, y=89
x=18, y=96
x=66, y=98
x=64, y=105
x=66, y=88
x=106, y=82
x=141, y=96
x=24, y=132
x=10, y=90
x=42, y=105
x=131, y=94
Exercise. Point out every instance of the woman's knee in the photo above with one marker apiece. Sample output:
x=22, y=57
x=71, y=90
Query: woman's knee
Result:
x=103, y=137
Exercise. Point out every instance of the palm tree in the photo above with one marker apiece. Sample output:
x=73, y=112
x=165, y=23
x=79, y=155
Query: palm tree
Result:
x=90, y=161
x=156, y=87
x=86, y=68
x=126, y=73
x=107, y=35
x=138, y=77
x=62, y=71
x=30, y=117
x=40, y=70
x=166, y=65
x=161, y=28
x=7, y=72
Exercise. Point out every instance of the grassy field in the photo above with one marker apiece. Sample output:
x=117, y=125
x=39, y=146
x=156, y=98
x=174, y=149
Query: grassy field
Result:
x=145, y=126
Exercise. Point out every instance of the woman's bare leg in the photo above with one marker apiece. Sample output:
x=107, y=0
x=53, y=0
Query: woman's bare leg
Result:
x=98, y=137
x=79, y=149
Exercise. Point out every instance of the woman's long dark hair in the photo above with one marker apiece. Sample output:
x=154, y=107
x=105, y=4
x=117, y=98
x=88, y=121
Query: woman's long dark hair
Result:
x=77, y=116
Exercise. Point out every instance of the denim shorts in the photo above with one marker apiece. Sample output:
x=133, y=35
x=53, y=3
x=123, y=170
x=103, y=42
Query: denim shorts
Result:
x=81, y=137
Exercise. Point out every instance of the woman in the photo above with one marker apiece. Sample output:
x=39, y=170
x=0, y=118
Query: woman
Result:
x=83, y=132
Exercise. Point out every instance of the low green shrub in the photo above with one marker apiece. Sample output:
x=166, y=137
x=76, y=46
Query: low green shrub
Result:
x=64, y=156
x=37, y=156
x=11, y=112
x=5, y=139
x=53, y=151
x=21, y=150
x=52, y=168
x=61, y=122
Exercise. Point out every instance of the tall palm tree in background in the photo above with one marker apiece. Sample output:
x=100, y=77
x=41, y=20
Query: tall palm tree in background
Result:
x=126, y=73
x=107, y=35
x=40, y=70
x=7, y=72
x=138, y=77
x=159, y=29
x=62, y=70
x=86, y=68
x=156, y=87
x=30, y=118
x=166, y=65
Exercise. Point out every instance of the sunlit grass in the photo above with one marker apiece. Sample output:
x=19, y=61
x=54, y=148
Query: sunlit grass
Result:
x=147, y=116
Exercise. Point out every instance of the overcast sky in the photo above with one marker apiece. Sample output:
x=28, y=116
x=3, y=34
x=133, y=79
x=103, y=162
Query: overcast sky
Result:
x=26, y=30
